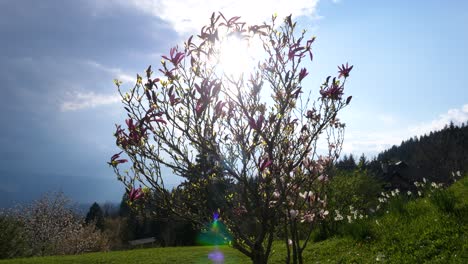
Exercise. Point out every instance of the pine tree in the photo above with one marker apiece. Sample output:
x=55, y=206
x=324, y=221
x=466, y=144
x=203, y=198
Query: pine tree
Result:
x=95, y=215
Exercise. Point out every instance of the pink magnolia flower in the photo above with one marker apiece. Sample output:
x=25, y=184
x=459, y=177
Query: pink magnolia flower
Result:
x=335, y=91
x=121, y=136
x=175, y=57
x=116, y=161
x=219, y=108
x=344, y=70
x=257, y=125
x=168, y=73
x=295, y=51
x=312, y=115
x=154, y=116
x=135, y=194
x=200, y=107
x=308, y=47
x=303, y=73
x=265, y=164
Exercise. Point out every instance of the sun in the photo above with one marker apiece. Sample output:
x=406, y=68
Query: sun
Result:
x=237, y=56
x=233, y=56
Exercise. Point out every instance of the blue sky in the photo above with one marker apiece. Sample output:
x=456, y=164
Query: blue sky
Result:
x=58, y=104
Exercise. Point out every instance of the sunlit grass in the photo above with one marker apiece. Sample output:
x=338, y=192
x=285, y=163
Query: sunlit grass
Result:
x=153, y=255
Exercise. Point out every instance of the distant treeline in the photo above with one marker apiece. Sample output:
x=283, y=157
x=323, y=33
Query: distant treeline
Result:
x=434, y=156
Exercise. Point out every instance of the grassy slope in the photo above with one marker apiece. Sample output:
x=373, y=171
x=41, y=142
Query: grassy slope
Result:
x=419, y=232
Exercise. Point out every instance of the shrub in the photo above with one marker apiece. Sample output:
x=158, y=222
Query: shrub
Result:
x=12, y=239
x=358, y=189
x=352, y=195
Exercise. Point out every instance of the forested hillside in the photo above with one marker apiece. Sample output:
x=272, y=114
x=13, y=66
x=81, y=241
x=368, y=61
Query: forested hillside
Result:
x=435, y=156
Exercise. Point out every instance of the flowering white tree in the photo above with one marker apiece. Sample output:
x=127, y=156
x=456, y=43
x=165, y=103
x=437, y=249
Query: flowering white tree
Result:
x=52, y=228
x=264, y=151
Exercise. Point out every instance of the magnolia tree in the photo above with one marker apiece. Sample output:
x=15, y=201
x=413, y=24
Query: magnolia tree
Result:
x=253, y=134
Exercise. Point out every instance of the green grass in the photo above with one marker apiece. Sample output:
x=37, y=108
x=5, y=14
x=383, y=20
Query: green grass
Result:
x=428, y=230
x=153, y=255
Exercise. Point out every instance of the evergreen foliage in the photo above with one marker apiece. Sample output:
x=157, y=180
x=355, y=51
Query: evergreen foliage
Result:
x=96, y=216
x=435, y=156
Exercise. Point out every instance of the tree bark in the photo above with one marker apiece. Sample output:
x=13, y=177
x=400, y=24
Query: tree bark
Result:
x=259, y=258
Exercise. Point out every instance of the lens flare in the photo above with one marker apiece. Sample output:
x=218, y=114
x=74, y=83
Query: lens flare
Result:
x=215, y=234
x=216, y=256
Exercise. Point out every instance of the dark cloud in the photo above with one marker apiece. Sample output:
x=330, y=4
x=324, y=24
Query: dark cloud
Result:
x=51, y=50
x=20, y=187
x=77, y=29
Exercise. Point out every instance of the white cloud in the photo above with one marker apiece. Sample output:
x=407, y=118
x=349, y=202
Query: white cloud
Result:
x=457, y=116
x=382, y=138
x=83, y=100
x=188, y=16
x=115, y=72
x=387, y=120
x=372, y=143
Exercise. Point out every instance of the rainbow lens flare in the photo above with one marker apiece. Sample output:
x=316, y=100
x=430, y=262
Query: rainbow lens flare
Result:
x=215, y=234
x=216, y=256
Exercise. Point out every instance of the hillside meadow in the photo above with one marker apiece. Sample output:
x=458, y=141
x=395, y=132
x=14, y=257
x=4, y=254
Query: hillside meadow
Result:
x=432, y=229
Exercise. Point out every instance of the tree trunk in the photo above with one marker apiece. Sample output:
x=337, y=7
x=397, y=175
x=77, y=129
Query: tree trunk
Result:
x=259, y=258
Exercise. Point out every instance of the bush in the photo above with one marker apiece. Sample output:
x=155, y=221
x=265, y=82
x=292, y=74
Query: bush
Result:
x=358, y=189
x=352, y=195
x=12, y=239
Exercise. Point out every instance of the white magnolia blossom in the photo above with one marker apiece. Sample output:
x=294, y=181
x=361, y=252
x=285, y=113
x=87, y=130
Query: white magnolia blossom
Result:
x=276, y=194
x=306, y=195
x=338, y=216
x=293, y=213
x=309, y=218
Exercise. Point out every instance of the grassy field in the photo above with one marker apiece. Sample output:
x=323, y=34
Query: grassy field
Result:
x=152, y=255
x=427, y=230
